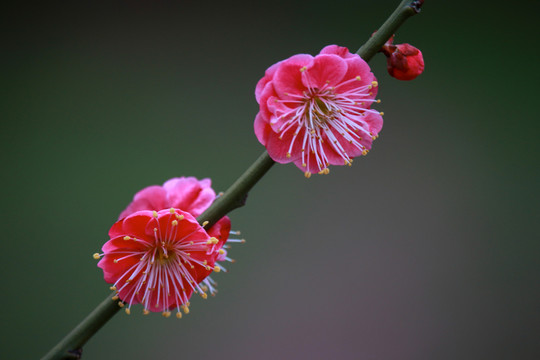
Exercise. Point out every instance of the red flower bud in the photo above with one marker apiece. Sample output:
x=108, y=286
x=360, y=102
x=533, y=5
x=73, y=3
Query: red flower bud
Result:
x=404, y=61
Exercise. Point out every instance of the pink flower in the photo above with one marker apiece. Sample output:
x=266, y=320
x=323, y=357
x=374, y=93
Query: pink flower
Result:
x=186, y=193
x=159, y=258
x=404, y=61
x=316, y=111
x=164, y=254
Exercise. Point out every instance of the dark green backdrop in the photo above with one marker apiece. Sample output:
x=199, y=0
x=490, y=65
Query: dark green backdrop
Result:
x=425, y=249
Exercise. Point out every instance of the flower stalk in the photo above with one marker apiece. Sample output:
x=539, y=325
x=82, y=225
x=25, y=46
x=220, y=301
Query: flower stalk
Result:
x=70, y=347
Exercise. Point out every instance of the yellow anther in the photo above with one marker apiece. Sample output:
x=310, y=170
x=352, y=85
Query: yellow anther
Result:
x=304, y=164
x=374, y=83
x=303, y=68
x=115, y=297
x=179, y=315
x=185, y=309
x=96, y=256
x=364, y=152
x=128, y=311
x=121, y=304
x=378, y=101
x=180, y=217
x=191, y=243
x=204, y=296
x=172, y=211
x=381, y=113
x=307, y=174
x=288, y=155
x=145, y=312
x=115, y=261
x=174, y=223
x=217, y=269
x=166, y=314
x=154, y=214
x=221, y=251
x=155, y=230
x=205, y=223
x=205, y=262
x=112, y=288
x=215, y=240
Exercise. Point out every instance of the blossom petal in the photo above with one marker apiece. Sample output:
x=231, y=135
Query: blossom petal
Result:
x=189, y=194
x=113, y=269
x=262, y=129
x=125, y=242
x=325, y=70
x=220, y=230
x=268, y=75
x=132, y=224
x=375, y=122
x=288, y=77
x=341, y=51
x=280, y=149
x=152, y=197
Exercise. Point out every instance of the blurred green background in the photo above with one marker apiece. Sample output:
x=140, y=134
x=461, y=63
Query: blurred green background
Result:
x=427, y=248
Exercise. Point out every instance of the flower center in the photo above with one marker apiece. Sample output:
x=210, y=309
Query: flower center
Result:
x=319, y=105
x=165, y=254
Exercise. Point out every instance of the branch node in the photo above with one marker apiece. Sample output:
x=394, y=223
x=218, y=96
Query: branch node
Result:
x=417, y=5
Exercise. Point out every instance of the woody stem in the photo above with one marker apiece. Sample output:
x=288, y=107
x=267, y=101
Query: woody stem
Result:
x=405, y=10
x=236, y=194
x=70, y=347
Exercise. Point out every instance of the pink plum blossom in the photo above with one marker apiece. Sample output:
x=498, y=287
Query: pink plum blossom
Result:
x=315, y=111
x=158, y=259
x=150, y=249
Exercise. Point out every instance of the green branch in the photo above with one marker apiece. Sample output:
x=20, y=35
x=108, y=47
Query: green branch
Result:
x=236, y=195
x=405, y=10
x=70, y=347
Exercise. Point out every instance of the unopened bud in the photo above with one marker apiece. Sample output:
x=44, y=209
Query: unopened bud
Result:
x=404, y=61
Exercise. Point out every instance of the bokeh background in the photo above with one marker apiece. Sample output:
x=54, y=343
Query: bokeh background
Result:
x=427, y=248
